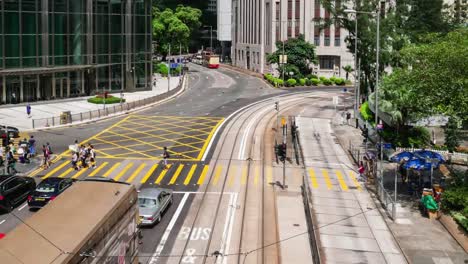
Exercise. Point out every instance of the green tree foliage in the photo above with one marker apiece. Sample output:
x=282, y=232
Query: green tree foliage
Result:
x=300, y=54
x=452, y=135
x=425, y=17
x=174, y=28
x=348, y=69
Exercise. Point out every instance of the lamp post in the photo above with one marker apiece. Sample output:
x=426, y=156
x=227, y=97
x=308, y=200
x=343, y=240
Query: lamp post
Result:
x=377, y=14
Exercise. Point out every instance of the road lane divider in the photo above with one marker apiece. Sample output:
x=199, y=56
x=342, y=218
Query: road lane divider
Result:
x=79, y=173
x=98, y=169
x=163, y=173
x=65, y=173
x=313, y=178
x=341, y=181
x=218, y=171
x=327, y=179
x=244, y=174
x=135, y=173
x=232, y=175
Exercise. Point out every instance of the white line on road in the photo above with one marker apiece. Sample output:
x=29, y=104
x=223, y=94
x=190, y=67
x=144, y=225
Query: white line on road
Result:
x=22, y=207
x=206, y=192
x=246, y=133
x=3, y=221
x=232, y=208
x=164, y=238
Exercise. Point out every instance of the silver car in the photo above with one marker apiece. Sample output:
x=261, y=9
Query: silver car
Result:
x=152, y=202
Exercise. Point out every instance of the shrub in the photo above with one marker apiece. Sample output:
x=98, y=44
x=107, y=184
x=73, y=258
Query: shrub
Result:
x=312, y=76
x=110, y=100
x=326, y=81
x=302, y=81
x=339, y=81
x=315, y=81
x=162, y=69
x=322, y=78
x=291, y=82
x=365, y=111
x=280, y=81
x=268, y=76
x=308, y=82
x=461, y=220
x=333, y=79
x=419, y=137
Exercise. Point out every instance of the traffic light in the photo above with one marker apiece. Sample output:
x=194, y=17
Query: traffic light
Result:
x=282, y=152
x=365, y=134
x=277, y=106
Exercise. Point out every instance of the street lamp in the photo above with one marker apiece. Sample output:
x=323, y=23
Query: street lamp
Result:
x=211, y=37
x=377, y=14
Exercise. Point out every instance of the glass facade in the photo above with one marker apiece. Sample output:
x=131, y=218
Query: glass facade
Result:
x=62, y=48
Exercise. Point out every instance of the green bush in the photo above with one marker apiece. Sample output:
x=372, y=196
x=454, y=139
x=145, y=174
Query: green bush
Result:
x=461, y=220
x=302, y=81
x=291, y=82
x=322, y=78
x=279, y=81
x=333, y=79
x=366, y=113
x=162, y=69
x=326, y=81
x=268, y=76
x=315, y=81
x=110, y=100
x=339, y=81
x=308, y=82
x=311, y=76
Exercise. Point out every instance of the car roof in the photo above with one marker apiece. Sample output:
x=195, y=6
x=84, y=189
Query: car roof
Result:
x=52, y=180
x=151, y=192
x=5, y=177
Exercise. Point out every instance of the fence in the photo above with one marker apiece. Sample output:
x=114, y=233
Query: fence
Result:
x=109, y=110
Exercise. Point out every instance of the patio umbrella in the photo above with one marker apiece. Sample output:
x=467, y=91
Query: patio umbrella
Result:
x=405, y=155
x=419, y=164
x=427, y=154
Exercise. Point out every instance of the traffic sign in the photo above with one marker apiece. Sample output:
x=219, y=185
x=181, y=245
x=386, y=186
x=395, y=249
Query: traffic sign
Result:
x=387, y=145
x=174, y=65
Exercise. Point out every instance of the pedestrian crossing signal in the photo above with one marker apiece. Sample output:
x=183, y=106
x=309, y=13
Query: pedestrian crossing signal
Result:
x=277, y=106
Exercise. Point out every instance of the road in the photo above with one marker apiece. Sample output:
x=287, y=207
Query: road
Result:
x=220, y=135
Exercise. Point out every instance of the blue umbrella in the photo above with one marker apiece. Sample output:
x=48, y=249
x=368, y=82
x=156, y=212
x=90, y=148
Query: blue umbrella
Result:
x=427, y=154
x=419, y=164
x=405, y=155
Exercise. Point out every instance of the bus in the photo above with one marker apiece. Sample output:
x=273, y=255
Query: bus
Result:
x=210, y=60
x=91, y=222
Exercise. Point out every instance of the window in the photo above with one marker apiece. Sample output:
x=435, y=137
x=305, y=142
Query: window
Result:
x=316, y=36
x=329, y=62
x=290, y=5
x=327, y=41
x=298, y=9
x=337, y=41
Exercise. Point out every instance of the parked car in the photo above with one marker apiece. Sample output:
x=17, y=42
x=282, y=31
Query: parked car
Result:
x=14, y=190
x=152, y=202
x=47, y=191
x=11, y=132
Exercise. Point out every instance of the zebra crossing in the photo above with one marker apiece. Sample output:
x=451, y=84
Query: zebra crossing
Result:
x=197, y=173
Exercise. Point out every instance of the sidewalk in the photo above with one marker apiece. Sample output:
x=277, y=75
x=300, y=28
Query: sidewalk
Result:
x=349, y=227
x=422, y=240
x=15, y=115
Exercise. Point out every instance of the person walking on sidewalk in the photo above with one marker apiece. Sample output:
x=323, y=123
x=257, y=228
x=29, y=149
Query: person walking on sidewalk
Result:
x=348, y=117
x=362, y=170
x=165, y=157
x=28, y=110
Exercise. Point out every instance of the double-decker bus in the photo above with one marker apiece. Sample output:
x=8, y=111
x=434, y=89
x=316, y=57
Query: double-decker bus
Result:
x=210, y=60
x=91, y=222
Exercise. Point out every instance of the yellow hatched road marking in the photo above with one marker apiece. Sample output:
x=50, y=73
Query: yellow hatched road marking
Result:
x=163, y=173
x=65, y=173
x=257, y=175
x=111, y=169
x=36, y=171
x=313, y=178
x=203, y=175
x=232, y=175
x=269, y=174
x=327, y=179
x=56, y=169
x=176, y=174
x=190, y=174
x=343, y=185
x=135, y=173
x=244, y=175
x=123, y=171
x=98, y=169
x=78, y=173
x=149, y=173
x=219, y=169
x=353, y=177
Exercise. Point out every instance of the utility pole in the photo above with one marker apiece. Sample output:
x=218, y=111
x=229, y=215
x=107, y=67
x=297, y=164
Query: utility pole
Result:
x=169, y=69
x=211, y=38
x=377, y=69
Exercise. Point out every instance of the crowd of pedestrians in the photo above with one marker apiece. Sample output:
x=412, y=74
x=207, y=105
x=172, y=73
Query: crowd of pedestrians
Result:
x=22, y=153
x=83, y=156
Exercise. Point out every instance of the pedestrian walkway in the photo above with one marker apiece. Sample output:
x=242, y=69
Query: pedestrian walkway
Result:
x=15, y=115
x=423, y=241
x=349, y=225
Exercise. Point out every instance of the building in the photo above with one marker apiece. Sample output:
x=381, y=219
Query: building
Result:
x=224, y=24
x=62, y=48
x=212, y=6
x=259, y=24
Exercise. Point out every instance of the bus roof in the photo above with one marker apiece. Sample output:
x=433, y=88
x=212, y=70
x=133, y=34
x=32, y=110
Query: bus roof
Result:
x=56, y=232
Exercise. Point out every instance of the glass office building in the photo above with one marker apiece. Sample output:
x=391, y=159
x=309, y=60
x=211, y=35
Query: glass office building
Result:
x=63, y=48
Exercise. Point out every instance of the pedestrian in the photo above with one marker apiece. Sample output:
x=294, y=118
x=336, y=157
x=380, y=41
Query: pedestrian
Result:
x=92, y=156
x=49, y=148
x=165, y=157
x=46, y=157
x=1, y=155
x=13, y=98
x=75, y=160
x=361, y=171
x=11, y=163
x=348, y=117
x=76, y=146
x=343, y=116
x=83, y=156
x=28, y=110
x=32, y=146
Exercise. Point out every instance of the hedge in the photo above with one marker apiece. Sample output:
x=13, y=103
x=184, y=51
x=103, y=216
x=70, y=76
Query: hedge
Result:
x=273, y=80
x=302, y=81
x=315, y=81
x=365, y=111
x=326, y=81
x=110, y=100
x=291, y=82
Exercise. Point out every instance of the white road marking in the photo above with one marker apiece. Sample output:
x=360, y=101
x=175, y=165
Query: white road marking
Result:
x=22, y=207
x=227, y=242
x=206, y=192
x=246, y=134
x=166, y=234
x=3, y=221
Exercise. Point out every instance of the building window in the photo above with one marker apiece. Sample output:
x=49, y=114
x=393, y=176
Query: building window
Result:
x=329, y=62
x=290, y=5
x=298, y=9
x=327, y=41
x=277, y=9
x=317, y=40
x=337, y=41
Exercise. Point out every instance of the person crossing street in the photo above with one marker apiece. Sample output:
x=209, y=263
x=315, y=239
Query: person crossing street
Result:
x=165, y=157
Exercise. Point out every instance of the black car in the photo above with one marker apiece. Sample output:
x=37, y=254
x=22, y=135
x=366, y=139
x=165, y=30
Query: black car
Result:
x=14, y=190
x=47, y=191
x=11, y=132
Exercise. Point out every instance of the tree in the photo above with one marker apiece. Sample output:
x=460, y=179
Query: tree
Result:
x=300, y=55
x=452, y=135
x=348, y=69
x=425, y=17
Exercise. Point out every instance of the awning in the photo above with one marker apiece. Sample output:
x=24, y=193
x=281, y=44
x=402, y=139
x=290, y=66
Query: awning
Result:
x=45, y=70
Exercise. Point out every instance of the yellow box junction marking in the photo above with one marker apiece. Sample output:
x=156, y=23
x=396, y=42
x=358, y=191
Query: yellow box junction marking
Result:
x=149, y=173
x=163, y=173
x=111, y=169
x=52, y=172
x=343, y=185
x=121, y=173
x=98, y=169
x=218, y=171
x=203, y=175
x=313, y=178
x=353, y=177
x=135, y=173
x=202, y=152
x=190, y=174
x=176, y=174
x=327, y=179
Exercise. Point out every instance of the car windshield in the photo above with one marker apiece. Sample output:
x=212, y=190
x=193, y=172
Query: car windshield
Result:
x=147, y=202
x=45, y=188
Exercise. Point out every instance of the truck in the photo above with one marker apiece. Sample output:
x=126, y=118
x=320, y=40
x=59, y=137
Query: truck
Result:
x=93, y=221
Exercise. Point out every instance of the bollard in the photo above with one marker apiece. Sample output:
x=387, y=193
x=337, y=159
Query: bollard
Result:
x=90, y=115
x=53, y=121
x=81, y=117
x=99, y=113
x=33, y=123
x=114, y=109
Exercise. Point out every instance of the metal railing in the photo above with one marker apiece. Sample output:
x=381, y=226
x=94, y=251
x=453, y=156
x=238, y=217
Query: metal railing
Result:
x=97, y=114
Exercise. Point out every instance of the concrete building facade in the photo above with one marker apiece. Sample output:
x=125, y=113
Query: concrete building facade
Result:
x=258, y=24
x=62, y=48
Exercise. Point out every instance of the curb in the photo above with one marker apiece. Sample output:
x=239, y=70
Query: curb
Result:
x=181, y=88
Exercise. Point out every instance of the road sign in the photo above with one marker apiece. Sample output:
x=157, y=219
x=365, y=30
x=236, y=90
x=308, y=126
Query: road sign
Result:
x=174, y=65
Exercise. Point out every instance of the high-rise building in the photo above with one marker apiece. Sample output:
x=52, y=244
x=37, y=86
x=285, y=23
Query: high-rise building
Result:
x=212, y=6
x=62, y=48
x=259, y=24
